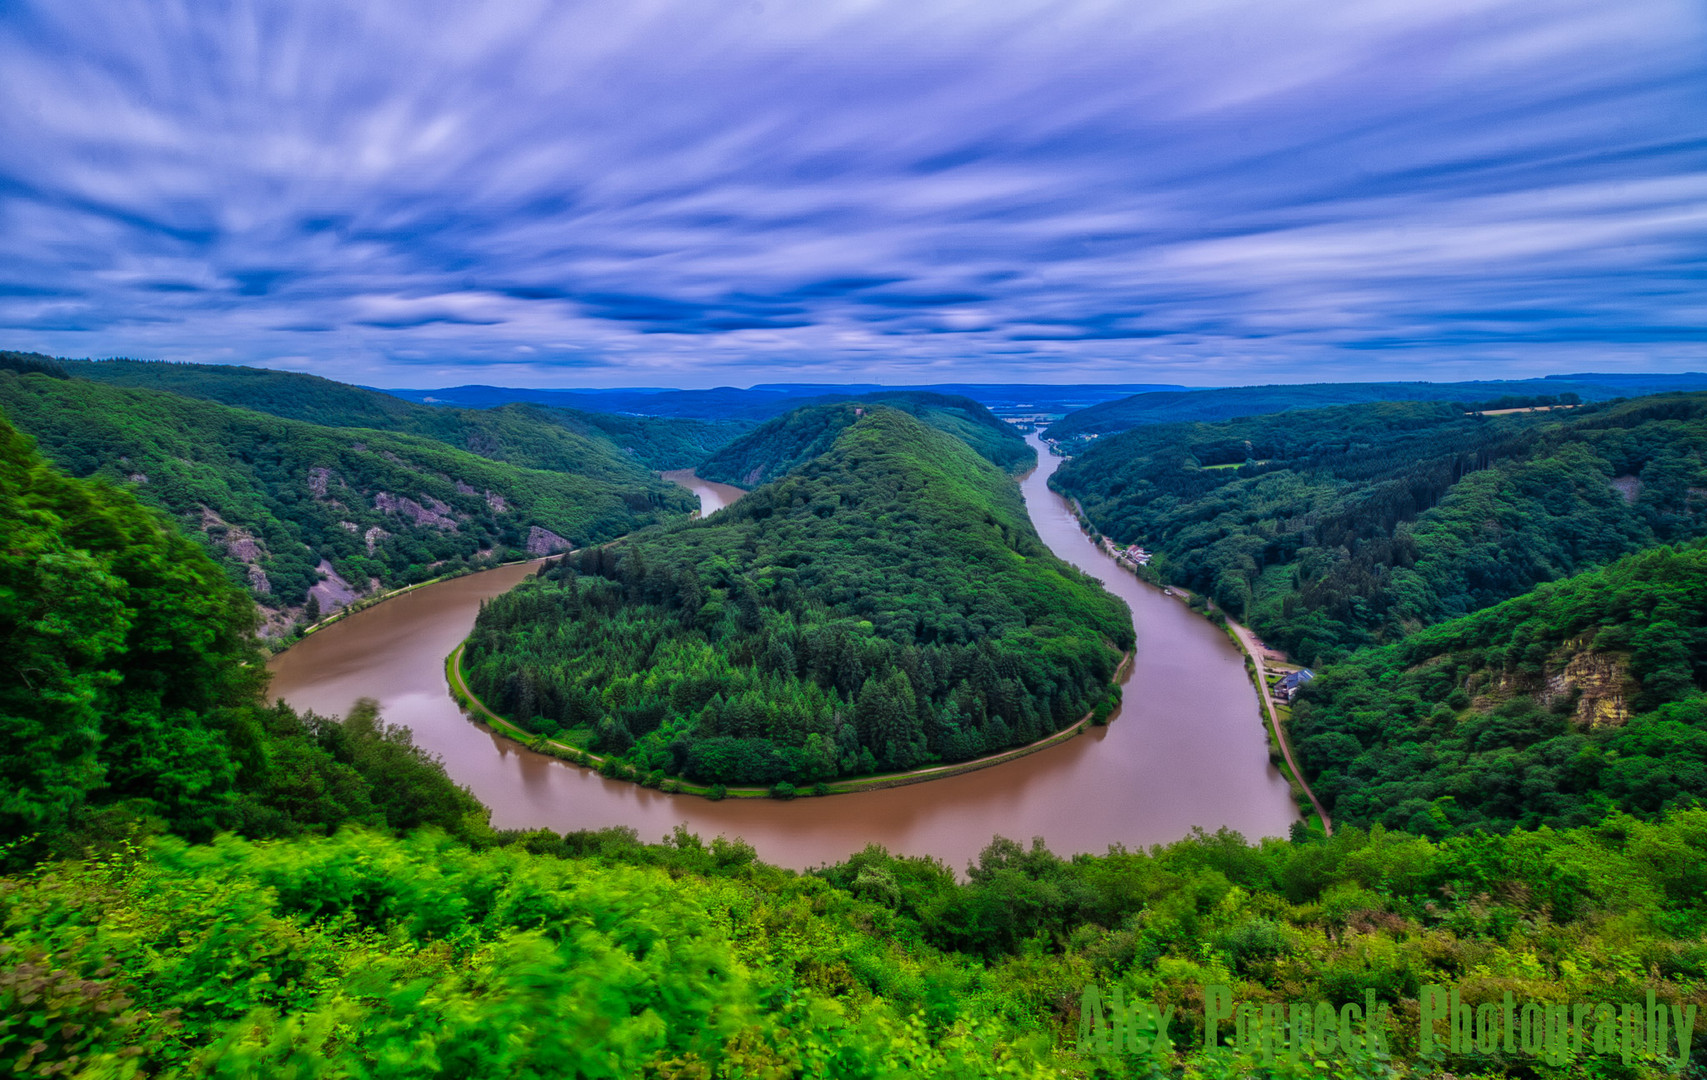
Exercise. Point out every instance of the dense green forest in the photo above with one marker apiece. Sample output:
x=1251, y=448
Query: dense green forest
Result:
x=1234, y=402
x=593, y=955
x=287, y=505
x=130, y=688
x=885, y=605
x=533, y=436
x=1580, y=697
x=1335, y=528
x=780, y=445
x=202, y=886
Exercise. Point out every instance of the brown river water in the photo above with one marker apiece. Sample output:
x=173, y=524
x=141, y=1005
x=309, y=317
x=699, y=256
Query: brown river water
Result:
x=1187, y=747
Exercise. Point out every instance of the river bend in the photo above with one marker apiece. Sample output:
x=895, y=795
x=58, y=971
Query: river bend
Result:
x=1186, y=749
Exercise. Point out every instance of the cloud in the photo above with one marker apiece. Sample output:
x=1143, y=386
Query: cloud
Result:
x=670, y=193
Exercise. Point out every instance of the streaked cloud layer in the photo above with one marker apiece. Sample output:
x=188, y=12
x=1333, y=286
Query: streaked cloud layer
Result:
x=681, y=193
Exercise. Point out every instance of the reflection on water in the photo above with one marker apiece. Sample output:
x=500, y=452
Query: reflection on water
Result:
x=1186, y=749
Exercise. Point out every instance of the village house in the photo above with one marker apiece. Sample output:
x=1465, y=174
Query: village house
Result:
x=1287, y=688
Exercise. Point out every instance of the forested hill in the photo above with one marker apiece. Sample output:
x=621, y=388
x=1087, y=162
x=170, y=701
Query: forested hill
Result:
x=1581, y=697
x=131, y=699
x=196, y=885
x=785, y=442
x=884, y=605
x=1205, y=406
x=1333, y=528
x=533, y=436
x=287, y=505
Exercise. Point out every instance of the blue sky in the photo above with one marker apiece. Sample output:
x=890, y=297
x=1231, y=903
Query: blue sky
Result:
x=650, y=192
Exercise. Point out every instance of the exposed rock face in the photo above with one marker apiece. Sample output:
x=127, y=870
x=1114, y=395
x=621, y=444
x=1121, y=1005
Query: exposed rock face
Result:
x=545, y=542
x=1599, y=680
x=319, y=481
x=374, y=536
x=464, y=489
x=1628, y=486
x=1605, y=684
x=241, y=545
x=332, y=590
x=350, y=526
x=496, y=502
x=138, y=478
x=435, y=513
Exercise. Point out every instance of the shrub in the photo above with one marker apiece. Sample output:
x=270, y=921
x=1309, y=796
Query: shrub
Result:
x=783, y=790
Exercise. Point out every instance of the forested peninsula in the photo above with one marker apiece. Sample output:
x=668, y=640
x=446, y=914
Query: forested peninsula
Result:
x=884, y=605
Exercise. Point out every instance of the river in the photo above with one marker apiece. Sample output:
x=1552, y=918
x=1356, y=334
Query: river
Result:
x=712, y=495
x=1186, y=748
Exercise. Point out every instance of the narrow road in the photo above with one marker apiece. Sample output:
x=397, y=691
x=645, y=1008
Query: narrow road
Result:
x=1248, y=642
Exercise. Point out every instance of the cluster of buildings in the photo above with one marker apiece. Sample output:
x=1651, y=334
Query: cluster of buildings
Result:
x=1132, y=555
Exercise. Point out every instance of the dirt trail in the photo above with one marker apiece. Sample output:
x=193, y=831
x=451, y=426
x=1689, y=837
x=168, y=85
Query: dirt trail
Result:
x=1253, y=649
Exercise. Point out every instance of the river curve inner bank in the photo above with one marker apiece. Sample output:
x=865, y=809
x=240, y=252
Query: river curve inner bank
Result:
x=1183, y=750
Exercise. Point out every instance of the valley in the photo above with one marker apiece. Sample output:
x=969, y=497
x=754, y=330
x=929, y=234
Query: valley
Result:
x=1185, y=746
x=1511, y=759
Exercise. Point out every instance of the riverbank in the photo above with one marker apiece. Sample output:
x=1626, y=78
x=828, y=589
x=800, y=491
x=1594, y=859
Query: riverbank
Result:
x=1295, y=776
x=367, y=602
x=1180, y=751
x=1241, y=636
x=574, y=755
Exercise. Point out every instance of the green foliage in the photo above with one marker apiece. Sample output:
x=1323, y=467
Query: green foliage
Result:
x=127, y=658
x=130, y=702
x=130, y=690
x=363, y=956
x=1343, y=527
x=657, y=442
x=272, y=499
x=1552, y=708
x=783, y=444
x=595, y=954
x=535, y=437
x=885, y=605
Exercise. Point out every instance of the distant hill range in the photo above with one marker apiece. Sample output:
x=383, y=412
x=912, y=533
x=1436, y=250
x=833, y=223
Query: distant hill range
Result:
x=524, y=433
x=1231, y=403
x=784, y=442
x=766, y=400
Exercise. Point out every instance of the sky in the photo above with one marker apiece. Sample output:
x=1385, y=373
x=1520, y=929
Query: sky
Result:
x=682, y=193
